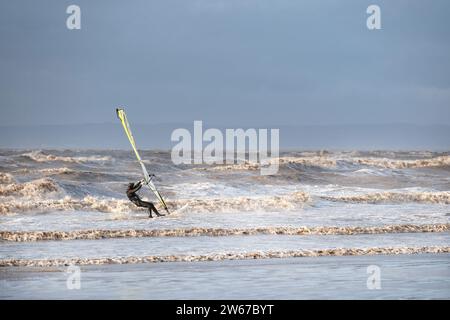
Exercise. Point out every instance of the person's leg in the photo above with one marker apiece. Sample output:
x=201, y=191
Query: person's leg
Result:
x=152, y=207
x=144, y=204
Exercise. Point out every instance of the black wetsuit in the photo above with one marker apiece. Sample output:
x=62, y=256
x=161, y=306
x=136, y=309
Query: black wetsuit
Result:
x=132, y=195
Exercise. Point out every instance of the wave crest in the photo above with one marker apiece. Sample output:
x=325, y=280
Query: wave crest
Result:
x=286, y=202
x=39, y=156
x=379, y=197
x=6, y=178
x=67, y=203
x=312, y=161
x=317, y=161
x=230, y=167
x=405, y=164
x=328, y=162
x=224, y=256
x=33, y=189
x=23, y=236
x=51, y=171
x=89, y=203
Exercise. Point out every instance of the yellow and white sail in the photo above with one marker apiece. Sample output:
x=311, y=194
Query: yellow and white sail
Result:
x=126, y=126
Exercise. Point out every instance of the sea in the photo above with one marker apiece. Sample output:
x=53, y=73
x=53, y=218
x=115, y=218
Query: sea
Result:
x=329, y=224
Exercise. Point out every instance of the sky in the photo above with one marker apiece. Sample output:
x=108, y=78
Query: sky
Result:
x=245, y=62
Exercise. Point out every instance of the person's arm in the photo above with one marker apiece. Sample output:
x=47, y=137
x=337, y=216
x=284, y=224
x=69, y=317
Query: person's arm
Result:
x=137, y=186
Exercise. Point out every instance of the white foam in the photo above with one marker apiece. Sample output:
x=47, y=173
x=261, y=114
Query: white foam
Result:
x=39, y=156
x=33, y=190
x=110, y=205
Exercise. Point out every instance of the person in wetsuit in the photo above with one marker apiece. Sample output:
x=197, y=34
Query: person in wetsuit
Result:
x=134, y=197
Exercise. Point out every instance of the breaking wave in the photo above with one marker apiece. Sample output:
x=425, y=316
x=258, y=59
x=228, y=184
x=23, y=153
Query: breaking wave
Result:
x=33, y=189
x=405, y=164
x=286, y=202
x=90, y=203
x=224, y=256
x=40, y=156
x=47, y=171
x=230, y=167
x=317, y=161
x=329, y=162
x=380, y=197
x=45, y=195
x=6, y=178
x=67, y=203
x=51, y=171
x=23, y=236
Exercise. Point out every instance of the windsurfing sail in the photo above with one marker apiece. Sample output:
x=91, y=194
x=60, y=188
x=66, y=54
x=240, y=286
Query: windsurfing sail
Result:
x=126, y=126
